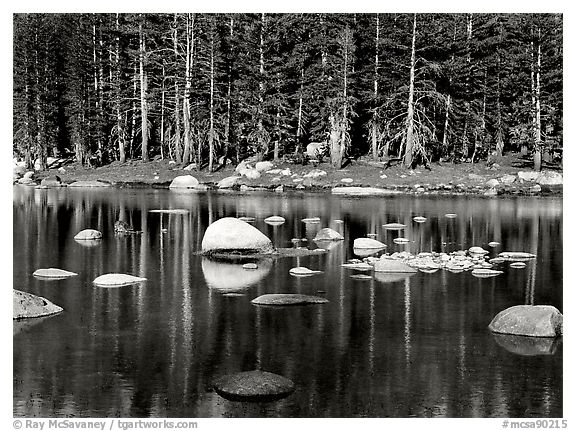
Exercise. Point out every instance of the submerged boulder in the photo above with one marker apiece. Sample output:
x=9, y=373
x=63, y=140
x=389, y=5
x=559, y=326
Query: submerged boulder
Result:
x=232, y=235
x=288, y=299
x=253, y=386
x=26, y=305
x=529, y=321
x=527, y=346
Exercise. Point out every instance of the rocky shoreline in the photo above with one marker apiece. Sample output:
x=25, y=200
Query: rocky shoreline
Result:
x=358, y=178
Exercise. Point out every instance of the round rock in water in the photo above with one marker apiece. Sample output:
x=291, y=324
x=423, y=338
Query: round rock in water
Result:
x=230, y=234
x=485, y=273
x=274, y=220
x=253, y=386
x=117, y=280
x=328, y=234
x=26, y=305
x=250, y=266
x=288, y=299
x=393, y=226
x=516, y=255
x=450, y=215
x=493, y=244
x=518, y=265
x=401, y=240
x=369, y=243
x=419, y=219
x=302, y=271
x=88, y=234
x=528, y=320
x=477, y=250
x=53, y=273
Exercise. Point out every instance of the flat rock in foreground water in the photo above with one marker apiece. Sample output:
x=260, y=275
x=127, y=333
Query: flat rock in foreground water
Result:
x=529, y=321
x=288, y=299
x=117, y=280
x=26, y=305
x=253, y=386
x=53, y=273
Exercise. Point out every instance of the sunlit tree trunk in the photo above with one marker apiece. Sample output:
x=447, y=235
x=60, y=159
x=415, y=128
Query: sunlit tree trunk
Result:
x=537, y=119
x=375, y=127
x=212, y=131
x=409, y=149
x=143, y=95
x=300, y=103
x=188, y=84
x=162, y=110
x=117, y=108
x=228, y=126
x=177, y=144
x=263, y=145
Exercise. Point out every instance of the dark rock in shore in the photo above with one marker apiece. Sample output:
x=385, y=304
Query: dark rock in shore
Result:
x=26, y=305
x=280, y=299
x=527, y=346
x=254, y=386
x=529, y=321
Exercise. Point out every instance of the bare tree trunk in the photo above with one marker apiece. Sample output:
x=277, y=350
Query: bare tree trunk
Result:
x=177, y=146
x=211, y=132
x=143, y=95
x=228, y=127
x=467, y=87
x=263, y=146
x=408, y=155
x=300, y=103
x=375, y=115
x=120, y=131
x=162, y=111
x=537, y=120
x=499, y=132
x=134, y=94
x=188, y=84
x=39, y=111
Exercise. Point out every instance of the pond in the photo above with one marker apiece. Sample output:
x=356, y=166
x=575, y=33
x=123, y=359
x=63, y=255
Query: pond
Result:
x=413, y=346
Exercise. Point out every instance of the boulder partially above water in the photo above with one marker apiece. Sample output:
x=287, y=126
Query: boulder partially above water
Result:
x=253, y=386
x=279, y=299
x=231, y=235
x=88, y=234
x=529, y=321
x=26, y=305
x=53, y=273
x=328, y=234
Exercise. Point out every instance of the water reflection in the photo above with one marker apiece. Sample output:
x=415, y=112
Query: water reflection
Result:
x=397, y=345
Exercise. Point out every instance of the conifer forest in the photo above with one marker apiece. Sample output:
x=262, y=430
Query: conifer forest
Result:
x=216, y=88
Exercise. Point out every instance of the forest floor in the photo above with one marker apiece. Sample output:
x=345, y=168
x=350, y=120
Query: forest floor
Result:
x=444, y=178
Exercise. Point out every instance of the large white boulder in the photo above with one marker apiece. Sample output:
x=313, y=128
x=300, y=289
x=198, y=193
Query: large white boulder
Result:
x=184, y=182
x=26, y=305
x=264, y=166
x=529, y=321
x=230, y=234
x=550, y=178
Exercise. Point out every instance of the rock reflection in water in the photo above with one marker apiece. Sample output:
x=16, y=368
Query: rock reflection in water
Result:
x=527, y=346
x=227, y=277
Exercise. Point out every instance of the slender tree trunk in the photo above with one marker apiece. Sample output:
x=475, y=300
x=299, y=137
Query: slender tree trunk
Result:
x=467, y=87
x=228, y=127
x=408, y=155
x=134, y=99
x=211, y=132
x=537, y=120
x=38, y=100
x=300, y=103
x=375, y=119
x=188, y=85
x=499, y=126
x=28, y=107
x=162, y=110
x=177, y=144
x=118, y=71
x=143, y=96
x=263, y=145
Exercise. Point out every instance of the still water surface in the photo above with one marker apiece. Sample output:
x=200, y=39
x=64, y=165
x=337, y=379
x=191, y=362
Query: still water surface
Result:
x=384, y=347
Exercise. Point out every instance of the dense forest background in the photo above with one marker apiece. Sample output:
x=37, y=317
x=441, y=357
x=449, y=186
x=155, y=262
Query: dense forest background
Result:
x=207, y=88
